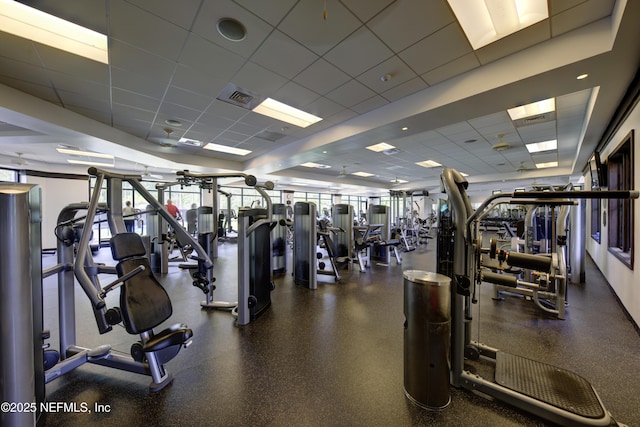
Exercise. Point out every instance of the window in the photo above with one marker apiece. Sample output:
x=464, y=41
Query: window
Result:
x=595, y=219
x=620, y=214
x=8, y=175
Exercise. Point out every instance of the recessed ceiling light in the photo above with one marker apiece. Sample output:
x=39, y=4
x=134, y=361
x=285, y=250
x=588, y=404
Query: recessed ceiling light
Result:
x=484, y=22
x=33, y=24
x=546, y=165
x=582, y=76
x=231, y=29
x=90, y=163
x=226, y=149
x=428, y=164
x=363, y=174
x=399, y=181
x=464, y=174
x=173, y=122
x=533, y=109
x=73, y=152
x=191, y=142
x=315, y=165
x=381, y=146
x=405, y=128
x=538, y=147
x=286, y=113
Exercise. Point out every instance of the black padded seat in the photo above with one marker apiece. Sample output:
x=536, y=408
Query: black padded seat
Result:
x=143, y=301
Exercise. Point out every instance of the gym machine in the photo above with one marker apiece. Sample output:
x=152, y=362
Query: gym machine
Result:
x=135, y=277
x=279, y=239
x=547, y=284
x=254, y=246
x=307, y=234
x=342, y=218
x=379, y=251
x=552, y=393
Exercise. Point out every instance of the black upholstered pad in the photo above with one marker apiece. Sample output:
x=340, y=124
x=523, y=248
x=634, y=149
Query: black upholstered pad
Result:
x=126, y=245
x=143, y=301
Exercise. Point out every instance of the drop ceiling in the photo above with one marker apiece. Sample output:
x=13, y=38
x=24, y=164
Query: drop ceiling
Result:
x=370, y=69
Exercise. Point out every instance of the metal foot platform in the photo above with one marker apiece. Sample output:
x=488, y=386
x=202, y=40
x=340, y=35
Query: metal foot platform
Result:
x=550, y=384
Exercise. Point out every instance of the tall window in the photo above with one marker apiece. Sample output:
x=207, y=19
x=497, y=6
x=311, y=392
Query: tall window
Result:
x=8, y=175
x=621, y=210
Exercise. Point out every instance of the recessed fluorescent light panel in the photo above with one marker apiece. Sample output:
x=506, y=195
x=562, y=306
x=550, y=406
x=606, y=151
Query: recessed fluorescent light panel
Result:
x=428, y=164
x=225, y=149
x=83, y=153
x=286, y=113
x=533, y=109
x=315, y=165
x=546, y=165
x=381, y=146
x=486, y=21
x=90, y=163
x=538, y=147
x=363, y=174
x=399, y=181
x=191, y=142
x=33, y=24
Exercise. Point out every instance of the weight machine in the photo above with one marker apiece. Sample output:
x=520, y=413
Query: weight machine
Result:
x=254, y=246
x=552, y=393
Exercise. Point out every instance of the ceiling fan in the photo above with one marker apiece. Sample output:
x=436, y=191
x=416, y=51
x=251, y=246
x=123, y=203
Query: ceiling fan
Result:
x=147, y=174
x=19, y=161
x=522, y=167
x=501, y=145
x=165, y=141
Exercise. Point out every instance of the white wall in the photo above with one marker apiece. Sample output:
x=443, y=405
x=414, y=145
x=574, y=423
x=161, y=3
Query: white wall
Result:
x=624, y=281
x=56, y=194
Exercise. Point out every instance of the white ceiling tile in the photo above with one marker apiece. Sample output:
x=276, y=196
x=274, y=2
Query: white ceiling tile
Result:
x=369, y=104
x=306, y=24
x=188, y=99
x=439, y=48
x=405, y=89
x=182, y=16
x=323, y=107
x=580, y=15
x=321, y=77
x=451, y=69
x=359, y=52
x=527, y=37
x=366, y=9
x=272, y=12
x=396, y=70
x=127, y=98
x=295, y=95
x=210, y=60
x=351, y=93
x=418, y=19
x=132, y=25
x=134, y=60
x=137, y=83
x=212, y=11
x=283, y=55
x=258, y=79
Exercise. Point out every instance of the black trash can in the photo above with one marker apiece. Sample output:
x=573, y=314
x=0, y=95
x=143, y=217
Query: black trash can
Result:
x=427, y=329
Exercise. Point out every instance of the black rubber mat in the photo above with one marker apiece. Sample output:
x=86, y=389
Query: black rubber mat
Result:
x=555, y=386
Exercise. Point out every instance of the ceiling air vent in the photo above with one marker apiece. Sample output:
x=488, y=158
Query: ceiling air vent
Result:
x=534, y=119
x=240, y=97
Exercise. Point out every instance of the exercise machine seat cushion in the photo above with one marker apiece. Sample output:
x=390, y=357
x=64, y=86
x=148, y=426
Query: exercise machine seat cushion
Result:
x=175, y=335
x=144, y=303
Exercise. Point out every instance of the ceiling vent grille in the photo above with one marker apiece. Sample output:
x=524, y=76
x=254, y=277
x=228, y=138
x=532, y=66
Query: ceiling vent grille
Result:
x=240, y=97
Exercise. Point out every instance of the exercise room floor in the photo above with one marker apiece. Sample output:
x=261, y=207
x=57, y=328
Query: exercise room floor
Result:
x=334, y=356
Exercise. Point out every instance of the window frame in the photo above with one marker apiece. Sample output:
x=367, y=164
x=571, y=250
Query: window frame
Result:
x=621, y=211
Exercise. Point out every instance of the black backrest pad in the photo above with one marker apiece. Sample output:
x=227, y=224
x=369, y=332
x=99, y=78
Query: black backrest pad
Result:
x=143, y=301
x=125, y=245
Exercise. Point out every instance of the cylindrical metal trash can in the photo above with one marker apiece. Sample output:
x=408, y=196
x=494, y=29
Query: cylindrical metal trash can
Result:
x=427, y=328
